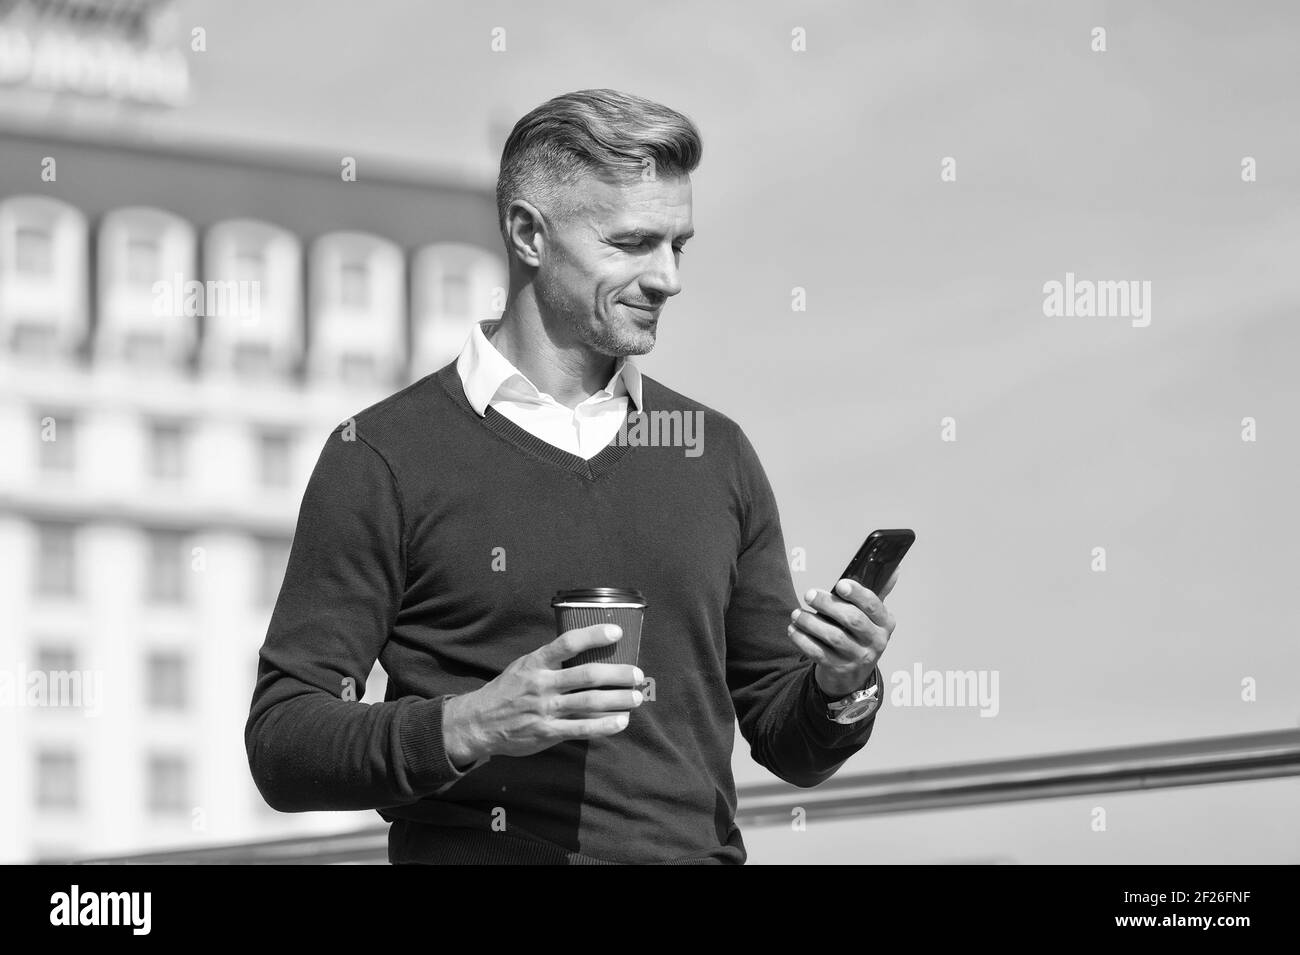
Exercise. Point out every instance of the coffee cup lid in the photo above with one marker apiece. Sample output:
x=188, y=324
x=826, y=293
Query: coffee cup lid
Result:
x=598, y=595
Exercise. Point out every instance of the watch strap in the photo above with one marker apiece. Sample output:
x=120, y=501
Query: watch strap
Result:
x=827, y=699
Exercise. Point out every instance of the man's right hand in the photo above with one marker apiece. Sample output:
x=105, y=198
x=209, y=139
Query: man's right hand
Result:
x=536, y=703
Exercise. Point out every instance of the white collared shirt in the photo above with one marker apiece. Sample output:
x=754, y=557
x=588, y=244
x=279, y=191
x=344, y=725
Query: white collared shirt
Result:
x=491, y=379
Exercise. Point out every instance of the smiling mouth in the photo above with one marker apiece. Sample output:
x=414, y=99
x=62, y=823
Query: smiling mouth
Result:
x=640, y=308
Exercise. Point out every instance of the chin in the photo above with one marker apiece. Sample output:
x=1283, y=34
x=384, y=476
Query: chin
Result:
x=621, y=338
x=641, y=347
x=636, y=340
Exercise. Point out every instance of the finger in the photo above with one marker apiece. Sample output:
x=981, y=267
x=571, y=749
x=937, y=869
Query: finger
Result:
x=572, y=642
x=569, y=705
x=859, y=596
x=598, y=674
x=817, y=652
x=584, y=729
x=851, y=617
x=832, y=637
x=857, y=600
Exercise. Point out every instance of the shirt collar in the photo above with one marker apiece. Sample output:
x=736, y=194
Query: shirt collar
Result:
x=485, y=372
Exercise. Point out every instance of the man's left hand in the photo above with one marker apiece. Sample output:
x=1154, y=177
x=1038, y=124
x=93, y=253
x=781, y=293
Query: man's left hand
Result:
x=847, y=634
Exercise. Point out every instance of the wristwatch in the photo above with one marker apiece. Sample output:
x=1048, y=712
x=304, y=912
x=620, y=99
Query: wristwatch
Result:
x=858, y=705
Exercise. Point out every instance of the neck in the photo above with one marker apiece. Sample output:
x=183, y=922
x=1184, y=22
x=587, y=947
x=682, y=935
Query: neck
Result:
x=566, y=370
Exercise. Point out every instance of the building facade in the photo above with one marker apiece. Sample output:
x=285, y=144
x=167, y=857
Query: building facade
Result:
x=181, y=327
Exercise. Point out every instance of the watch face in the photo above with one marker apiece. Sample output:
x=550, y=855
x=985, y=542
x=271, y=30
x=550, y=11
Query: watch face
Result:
x=856, y=710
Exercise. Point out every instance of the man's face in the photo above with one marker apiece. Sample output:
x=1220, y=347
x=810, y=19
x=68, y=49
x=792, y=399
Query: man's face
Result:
x=609, y=267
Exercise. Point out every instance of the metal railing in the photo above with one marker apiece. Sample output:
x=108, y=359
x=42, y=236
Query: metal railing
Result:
x=1194, y=762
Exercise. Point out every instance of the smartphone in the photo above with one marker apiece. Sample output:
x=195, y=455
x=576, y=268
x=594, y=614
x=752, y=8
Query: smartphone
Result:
x=877, y=558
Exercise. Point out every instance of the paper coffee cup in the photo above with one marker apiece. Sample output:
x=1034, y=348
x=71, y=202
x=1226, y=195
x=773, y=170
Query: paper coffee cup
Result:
x=592, y=605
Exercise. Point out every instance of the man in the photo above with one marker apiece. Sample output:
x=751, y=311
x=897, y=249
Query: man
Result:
x=438, y=524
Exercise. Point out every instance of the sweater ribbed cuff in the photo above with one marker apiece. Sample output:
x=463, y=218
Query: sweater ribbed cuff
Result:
x=428, y=767
x=826, y=729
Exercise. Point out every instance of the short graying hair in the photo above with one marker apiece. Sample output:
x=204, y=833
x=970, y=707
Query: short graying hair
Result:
x=607, y=133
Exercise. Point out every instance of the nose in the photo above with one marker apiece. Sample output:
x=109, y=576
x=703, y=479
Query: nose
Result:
x=663, y=279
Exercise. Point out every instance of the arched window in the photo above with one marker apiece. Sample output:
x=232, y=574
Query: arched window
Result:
x=454, y=285
x=358, y=309
x=43, y=276
x=149, y=297
x=252, y=274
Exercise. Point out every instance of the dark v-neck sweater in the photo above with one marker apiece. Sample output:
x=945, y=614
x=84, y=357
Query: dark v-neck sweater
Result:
x=432, y=539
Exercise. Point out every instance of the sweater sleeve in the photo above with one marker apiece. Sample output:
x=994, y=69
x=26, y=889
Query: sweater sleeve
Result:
x=311, y=743
x=778, y=704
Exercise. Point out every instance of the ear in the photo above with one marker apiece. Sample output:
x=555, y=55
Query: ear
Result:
x=525, y=232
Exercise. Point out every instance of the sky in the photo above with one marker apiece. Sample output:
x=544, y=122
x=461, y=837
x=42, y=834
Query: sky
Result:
x=821, y=171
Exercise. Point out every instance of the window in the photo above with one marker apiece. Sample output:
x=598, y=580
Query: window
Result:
x=168, y=785
x=166, y=680
x=35, y=339
x=455, y=294
x=272, y=559
x=144, y=348
x=58, y=443
x=354, y=284
x=56, y=779
x=142, y=260
x=357, y=369
x=167, y=568
x=58, y=663
x=166, y=450
x=273, y=456
x=33, y=251
x=452, y=286
x=248, y=265
x=252, y=360
x=56, y=560
x=56, y=658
